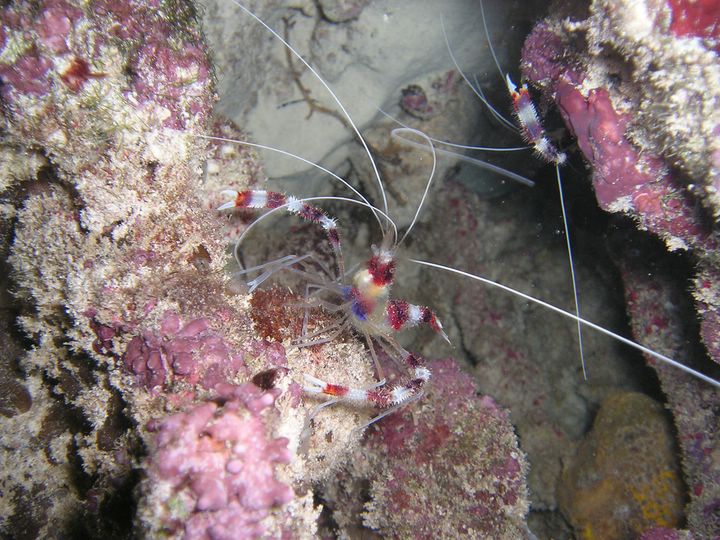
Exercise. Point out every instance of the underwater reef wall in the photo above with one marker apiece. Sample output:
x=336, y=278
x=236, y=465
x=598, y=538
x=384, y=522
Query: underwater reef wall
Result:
x=638, y=83
x=142, y=395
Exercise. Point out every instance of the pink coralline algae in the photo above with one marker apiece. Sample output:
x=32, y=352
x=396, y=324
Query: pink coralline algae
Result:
x=126, y=306
x=213, y=468
x=697, y=18
x=692, y=402
x=150, y=401
x=28, y=75
x=63, y=46
x=145, y=362
x=188, y=352
x=55, y=24
x=178, y=67
x=651, y=153
x=659, y=533
x=622, y=176
x=660, y=88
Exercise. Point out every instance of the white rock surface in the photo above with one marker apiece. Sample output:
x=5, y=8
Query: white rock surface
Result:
x=367, y=61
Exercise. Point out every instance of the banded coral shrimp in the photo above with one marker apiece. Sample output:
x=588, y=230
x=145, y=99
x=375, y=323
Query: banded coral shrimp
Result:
x=517, y=363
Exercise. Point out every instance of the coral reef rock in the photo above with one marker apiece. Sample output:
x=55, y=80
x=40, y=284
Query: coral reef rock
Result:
x=630, y=439
x=449, y=467
x=637, y=84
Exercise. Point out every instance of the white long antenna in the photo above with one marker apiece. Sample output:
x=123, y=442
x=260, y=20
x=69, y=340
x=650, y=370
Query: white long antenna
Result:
x=308, y=199
x=572, y=270
x=430, y=178
x=507, y=123
x=477, y=162
x=327, y=87
x=457, y=145
x=490, y=45
x=618, y=337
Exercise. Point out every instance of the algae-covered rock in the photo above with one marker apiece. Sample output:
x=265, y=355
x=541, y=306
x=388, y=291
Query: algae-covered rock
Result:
x=626, y=476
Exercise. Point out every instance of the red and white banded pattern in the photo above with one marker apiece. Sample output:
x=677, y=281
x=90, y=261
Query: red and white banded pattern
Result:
x=530, y=125
x=381, y=267
x=401, y=315
x=371, y=310
x=275, y=199
x=380, y=397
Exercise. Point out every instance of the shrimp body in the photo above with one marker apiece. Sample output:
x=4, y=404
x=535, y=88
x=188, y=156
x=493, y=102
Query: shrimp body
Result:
x=364, y=305
x=374, y=312
x=370, y=293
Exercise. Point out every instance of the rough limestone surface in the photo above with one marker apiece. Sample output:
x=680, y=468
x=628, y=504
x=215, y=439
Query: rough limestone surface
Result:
x=662, y=533
x=147, y=394
x=652, y=304
x=640, y=103
x=119, y=276
x=660, y=80
x=523, y=358
x=637, y=84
